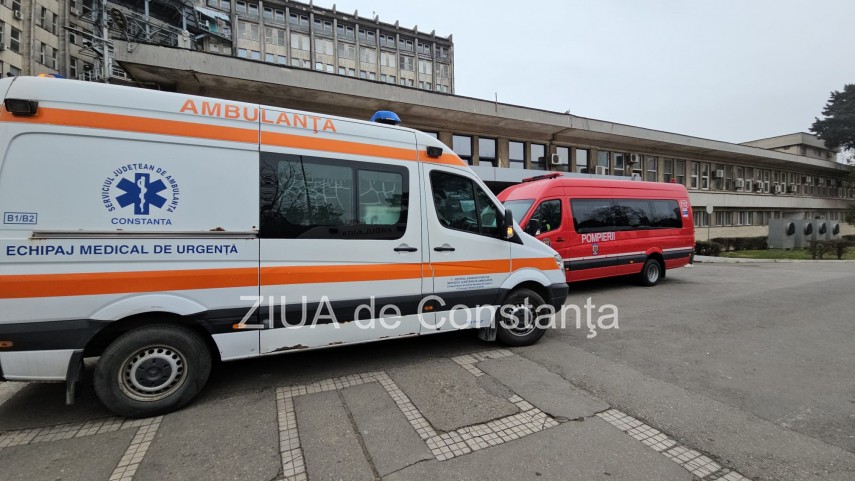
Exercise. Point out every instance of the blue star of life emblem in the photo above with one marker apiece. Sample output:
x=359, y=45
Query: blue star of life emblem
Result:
x=142, y=193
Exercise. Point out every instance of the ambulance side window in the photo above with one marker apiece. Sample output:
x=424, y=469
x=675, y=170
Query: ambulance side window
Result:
x=462, y=205
x=548, y=216
x=319, y=198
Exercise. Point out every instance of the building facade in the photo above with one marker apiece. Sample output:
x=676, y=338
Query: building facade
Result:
x=303, y=57
x=63, y=37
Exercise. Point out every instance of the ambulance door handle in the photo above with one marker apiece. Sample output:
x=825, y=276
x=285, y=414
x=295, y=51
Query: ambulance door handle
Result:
x=405, y=248
x=559, y=240
x=444, y=248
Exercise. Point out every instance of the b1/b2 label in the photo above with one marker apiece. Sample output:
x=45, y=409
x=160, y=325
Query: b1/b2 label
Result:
x=20, y=218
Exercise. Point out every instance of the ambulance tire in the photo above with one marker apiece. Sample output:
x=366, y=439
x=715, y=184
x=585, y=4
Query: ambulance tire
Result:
x=152, y=370
x=651, y=273
x=526, y=303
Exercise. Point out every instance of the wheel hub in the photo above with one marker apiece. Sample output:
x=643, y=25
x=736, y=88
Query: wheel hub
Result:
x=153, y=373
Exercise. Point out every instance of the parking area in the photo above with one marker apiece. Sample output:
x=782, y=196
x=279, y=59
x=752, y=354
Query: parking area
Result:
x=723, y=371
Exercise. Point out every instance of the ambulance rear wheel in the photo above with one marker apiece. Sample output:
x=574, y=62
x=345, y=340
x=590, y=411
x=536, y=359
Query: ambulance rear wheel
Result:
x=152, y=370
x=517, y=318
x=651, y=273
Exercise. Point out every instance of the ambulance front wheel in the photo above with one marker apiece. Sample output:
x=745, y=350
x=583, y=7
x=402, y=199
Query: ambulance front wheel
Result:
x=517, y=318
x=152, y=370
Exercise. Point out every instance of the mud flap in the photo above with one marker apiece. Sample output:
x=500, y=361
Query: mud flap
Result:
x=488, y=333
x=72, y=377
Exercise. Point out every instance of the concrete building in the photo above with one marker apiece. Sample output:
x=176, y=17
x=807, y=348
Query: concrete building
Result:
x=792, y=176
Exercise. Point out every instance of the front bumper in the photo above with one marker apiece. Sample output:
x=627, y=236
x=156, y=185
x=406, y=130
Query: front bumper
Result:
x=558, y=294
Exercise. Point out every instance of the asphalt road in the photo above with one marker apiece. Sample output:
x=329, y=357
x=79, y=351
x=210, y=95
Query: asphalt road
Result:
x=749, y=364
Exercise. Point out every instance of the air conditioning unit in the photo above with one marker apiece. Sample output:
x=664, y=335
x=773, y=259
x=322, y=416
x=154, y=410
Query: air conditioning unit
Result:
x=719, y=173
x=759, y=187
x=74, y=11
x=18, y=14
x=634, y=159
x=740, y=184
x=794, y=189
x=2, y=46
x=601, y=170
x=554, y=159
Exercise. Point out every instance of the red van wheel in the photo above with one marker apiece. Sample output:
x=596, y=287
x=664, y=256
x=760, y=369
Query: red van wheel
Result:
x=651, y=273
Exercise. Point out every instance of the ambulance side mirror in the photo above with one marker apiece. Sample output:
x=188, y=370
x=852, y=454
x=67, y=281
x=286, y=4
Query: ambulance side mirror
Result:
x=508, y=225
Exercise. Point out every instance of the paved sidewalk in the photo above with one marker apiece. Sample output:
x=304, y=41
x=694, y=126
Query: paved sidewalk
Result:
x=735, y=260
x=486, y=415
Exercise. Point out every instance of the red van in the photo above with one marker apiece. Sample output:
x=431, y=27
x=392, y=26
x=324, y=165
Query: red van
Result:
x=604, y=227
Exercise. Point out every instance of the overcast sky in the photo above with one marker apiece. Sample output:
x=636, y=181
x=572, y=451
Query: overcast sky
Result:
x=731, y=70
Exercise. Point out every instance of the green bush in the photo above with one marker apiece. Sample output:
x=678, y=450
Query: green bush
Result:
x=742, y=243
x=818, y=249
x=839, y=247
x=704, y=248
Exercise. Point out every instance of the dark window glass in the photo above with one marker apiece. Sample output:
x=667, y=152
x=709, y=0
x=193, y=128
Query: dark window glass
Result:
x=538, y=156
x=313, y=198
x=592, y=215
x=632, y=214
x=462, y=205
x=666, y=214
x=599, y=215
x=548, y=217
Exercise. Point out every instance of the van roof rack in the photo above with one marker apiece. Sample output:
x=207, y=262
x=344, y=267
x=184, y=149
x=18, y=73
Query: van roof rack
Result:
x=553, y=175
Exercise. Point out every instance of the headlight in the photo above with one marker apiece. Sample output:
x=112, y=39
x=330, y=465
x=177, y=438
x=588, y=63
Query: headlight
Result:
x=559, y=261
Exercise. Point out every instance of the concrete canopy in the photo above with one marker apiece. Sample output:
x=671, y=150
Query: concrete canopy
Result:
x=207, y=74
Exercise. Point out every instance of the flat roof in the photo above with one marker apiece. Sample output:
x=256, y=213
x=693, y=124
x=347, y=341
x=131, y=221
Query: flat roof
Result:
x=798, y=138
x=228, y=77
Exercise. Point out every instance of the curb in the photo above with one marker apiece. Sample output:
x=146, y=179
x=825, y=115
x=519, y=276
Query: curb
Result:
x=735, y=260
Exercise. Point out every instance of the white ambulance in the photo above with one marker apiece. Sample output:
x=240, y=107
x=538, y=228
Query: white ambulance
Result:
x=162, y=232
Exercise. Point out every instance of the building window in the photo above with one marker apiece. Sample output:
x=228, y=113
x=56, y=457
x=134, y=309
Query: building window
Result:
x=298, y=20
x=425, y=67
x=487, y=151
x=279, y=15
x=299, y=42
x=242, y=53
x=537, y=156
x=346, y=50
x=406, y=44
x=581, y=161
x=388, y=60
x=694, y=177
x=269, y=57
x=728, y=177
x=516, y=155
x=680, y=171
x=705, y=176
x=668, y=170
x=72, y=68
x=368, y=55
x=323, y=46
x=387, y=40
x=248, y=30
x=462, y=146
x=619, y=161
x=344, y=31
x=602, y=163
x=563, y=154
x=252, y=9
x=15, y=40
x=268, y=13
x=274, y=36
x=255, y=55
x=650, y=168
x=407, y=63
